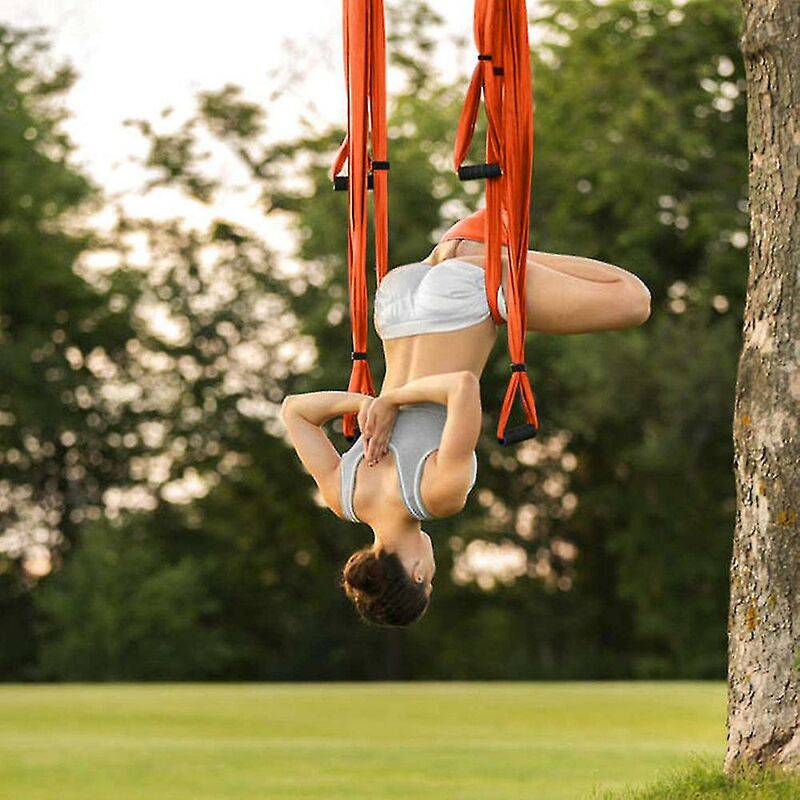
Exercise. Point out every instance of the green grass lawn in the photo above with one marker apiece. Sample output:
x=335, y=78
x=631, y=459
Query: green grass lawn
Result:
x=448, y=741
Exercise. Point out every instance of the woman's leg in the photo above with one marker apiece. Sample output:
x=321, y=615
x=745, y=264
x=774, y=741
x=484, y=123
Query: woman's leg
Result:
x=582, y=267
x=571, y=294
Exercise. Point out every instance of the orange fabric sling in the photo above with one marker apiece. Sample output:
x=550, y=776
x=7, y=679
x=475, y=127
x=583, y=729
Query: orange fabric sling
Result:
x=501, y=34
x=503, y=73
x=365, y=80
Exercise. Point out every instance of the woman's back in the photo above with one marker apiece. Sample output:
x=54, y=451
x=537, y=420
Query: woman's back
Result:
x=432, y=319
x=415, y=438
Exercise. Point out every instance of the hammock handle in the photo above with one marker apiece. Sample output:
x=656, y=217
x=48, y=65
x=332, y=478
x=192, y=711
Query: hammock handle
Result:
x=472, y=172
x=518, y=434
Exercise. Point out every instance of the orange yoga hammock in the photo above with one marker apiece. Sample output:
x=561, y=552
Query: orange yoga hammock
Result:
x=503, y=77
x=365, y=80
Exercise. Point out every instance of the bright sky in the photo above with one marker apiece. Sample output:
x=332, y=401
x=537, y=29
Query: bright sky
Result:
x=134, y=59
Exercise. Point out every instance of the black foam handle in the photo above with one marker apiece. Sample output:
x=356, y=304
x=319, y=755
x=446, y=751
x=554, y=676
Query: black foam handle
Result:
x=518, y=434
x=471, y=172
x=341, y=182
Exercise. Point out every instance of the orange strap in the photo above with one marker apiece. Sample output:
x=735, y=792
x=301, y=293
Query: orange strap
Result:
x=487, y=28
x=504, y=74
x=503, y=77
x=365, y=79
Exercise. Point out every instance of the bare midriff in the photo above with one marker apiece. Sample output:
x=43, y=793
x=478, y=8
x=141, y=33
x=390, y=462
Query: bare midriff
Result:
x=410, y=357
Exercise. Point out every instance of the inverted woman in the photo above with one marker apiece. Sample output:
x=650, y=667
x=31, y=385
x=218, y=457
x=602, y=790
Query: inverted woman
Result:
x=415, y=458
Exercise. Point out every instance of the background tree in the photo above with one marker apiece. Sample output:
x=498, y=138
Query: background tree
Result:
x=625, y=502
x=598, y=550
x=121, y=611
x=55, y=461
x=764, y=617
x=123, y=385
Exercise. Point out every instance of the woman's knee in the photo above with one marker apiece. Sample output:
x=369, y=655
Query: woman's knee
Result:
x=638, y=303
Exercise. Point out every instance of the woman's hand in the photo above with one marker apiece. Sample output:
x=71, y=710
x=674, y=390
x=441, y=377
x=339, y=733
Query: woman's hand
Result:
x=363, y=408
x=381, y=416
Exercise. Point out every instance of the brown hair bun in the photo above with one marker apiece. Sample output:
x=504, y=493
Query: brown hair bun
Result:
x=381, y=590
x=364, y=571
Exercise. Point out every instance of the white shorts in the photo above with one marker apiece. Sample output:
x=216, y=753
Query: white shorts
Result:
x=432, y=298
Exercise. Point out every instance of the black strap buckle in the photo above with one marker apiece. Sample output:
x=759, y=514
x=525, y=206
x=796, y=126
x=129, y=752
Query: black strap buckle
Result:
x=341, y=183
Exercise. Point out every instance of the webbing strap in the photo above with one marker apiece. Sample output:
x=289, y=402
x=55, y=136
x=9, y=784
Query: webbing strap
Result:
x=503, y=76
x=365, y=79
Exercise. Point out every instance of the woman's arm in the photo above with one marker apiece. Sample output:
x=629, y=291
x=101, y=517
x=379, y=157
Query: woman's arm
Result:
x=438, y=388
x=460, y=391
x=303, y=415
x=319, y=407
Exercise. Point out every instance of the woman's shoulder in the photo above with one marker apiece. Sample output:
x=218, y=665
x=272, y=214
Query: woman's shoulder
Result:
x=445, y=492
x=330, y=490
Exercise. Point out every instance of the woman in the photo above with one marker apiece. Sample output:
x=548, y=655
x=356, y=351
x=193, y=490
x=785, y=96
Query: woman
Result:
x=415, y=458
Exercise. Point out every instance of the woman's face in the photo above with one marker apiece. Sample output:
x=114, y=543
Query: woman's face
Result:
x=429, y=563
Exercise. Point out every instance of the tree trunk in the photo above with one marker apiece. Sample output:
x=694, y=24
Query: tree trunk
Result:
x=764, y=614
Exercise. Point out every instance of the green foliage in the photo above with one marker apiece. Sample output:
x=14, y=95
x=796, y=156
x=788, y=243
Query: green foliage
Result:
x=272, y=563
x=648, y=171
x=119, y=611
x=704, y=779
x=640, y=160
x=19, y=649
x=46, y=310
x=55, y=462
x=640, y=149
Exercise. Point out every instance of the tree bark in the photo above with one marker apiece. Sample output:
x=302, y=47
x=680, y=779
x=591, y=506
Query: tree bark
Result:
x=764, y=613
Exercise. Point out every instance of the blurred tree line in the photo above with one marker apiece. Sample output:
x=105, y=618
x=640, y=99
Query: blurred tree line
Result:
x=154, y=524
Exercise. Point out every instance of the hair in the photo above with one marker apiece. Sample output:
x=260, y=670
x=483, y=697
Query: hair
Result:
x=381, y=590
